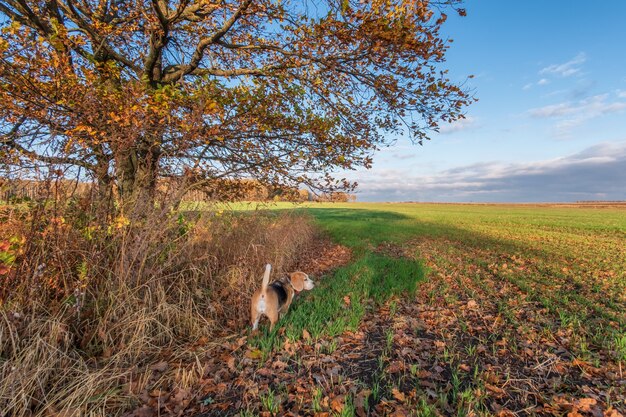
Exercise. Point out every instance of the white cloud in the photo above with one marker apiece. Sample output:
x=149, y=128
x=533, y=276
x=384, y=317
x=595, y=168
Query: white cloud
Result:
x=462, y=124
x=399, y=156
x=572, y=114
x=553, y=110
x=594, y=173
x=567, y=69
x=543, y=81
x=564, y=127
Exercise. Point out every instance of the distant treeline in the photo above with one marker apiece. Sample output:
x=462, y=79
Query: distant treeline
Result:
x=601, y=202
x=230, y=190
x=37, y=190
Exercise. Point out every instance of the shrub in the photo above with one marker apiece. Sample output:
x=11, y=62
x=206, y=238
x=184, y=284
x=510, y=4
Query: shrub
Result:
x=87, y=310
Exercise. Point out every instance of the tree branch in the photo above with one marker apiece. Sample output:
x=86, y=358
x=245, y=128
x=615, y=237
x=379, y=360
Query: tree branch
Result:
x=197, y=56
x=9, y=141
x=13, y=15
x=158, y=40
x=97, y=41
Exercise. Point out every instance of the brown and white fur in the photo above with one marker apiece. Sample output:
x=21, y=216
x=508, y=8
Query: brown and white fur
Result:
x=274, y=300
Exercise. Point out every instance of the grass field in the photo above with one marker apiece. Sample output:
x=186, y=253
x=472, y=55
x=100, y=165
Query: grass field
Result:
x=453, y=310
x=572, y=260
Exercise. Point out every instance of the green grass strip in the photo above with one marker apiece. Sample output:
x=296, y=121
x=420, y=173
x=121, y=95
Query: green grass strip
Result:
x=339, y=302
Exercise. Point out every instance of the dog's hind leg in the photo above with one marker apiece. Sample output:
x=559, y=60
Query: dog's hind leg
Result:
x=273, y=316
x=255, y=317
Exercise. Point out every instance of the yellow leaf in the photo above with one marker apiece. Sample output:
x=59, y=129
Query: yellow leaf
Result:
x=253, y=354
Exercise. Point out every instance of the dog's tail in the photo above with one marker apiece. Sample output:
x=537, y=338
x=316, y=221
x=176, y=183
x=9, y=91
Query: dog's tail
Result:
x=266, y=279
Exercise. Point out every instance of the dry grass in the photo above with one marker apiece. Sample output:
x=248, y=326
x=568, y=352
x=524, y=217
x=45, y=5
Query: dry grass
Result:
x=94, y=318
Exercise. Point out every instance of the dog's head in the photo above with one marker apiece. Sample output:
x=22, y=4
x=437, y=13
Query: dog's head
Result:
x=300, y=281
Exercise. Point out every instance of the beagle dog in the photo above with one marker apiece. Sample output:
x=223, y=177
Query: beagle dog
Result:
x=273, y=300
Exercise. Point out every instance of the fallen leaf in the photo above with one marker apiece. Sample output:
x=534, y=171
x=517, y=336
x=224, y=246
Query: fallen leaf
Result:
x=231, y=363
x=395, y=367
x=239, y=343
x=423, y=373
x=306, y=335
x=398, y=395
x=289, y=347
x=181, y=394
x=71, y=412
x=160, y=367
x=253, y=354
x=145, y=411
x=505, y=413
x=156, y=392
x=494, y=389
x=585, y=403
x=360, y=401
x=337, y=403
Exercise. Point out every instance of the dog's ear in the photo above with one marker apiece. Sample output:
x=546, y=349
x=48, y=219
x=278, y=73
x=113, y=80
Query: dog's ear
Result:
x=297, y=280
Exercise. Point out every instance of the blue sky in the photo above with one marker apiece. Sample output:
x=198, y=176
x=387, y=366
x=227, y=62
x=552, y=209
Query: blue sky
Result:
x=550, y=123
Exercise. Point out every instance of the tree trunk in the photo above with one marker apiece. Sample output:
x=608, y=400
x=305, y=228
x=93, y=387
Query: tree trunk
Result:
x=104, y=199
x=137, y=173
x=104, y=190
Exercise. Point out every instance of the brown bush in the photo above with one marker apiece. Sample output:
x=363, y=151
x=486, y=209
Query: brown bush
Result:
x=86, y=310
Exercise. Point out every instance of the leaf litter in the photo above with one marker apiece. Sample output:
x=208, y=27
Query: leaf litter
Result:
x=475, y=340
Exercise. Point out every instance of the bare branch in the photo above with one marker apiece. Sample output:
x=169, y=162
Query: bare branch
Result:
x=197, y=56
x=97, y=41
x=11, y=143
x=170, y=77
x=158, y=41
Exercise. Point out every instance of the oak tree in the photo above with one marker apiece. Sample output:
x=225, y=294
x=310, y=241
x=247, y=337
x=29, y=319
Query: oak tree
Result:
x=282, y=91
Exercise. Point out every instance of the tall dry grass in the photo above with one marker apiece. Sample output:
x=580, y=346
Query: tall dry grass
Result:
x=93, y=317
